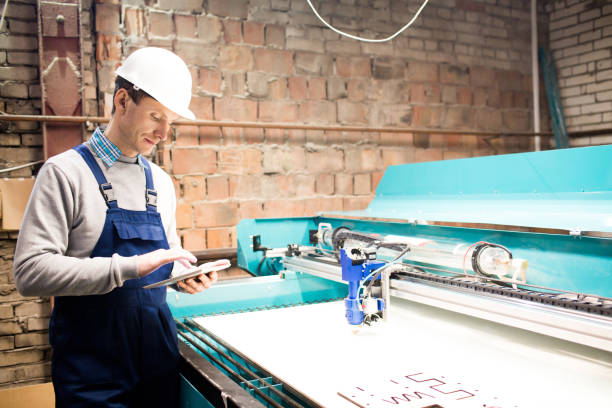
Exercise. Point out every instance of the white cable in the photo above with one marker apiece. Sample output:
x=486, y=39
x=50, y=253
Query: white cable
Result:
x=20, y=166
x=3, y=13
x=369, y=39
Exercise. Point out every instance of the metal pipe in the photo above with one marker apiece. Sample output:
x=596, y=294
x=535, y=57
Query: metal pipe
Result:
x=240, y=366
x=229, y=370
x=272, y=125
x=535, y=83
x=386, y=294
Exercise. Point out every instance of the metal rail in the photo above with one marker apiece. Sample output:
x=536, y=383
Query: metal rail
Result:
x=225, y=367
x=259, y=368
x=273, y=125
x=584, y=319
x=242, y=367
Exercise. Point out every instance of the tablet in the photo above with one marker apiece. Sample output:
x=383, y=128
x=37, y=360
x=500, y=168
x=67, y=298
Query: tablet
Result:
x=193, y=272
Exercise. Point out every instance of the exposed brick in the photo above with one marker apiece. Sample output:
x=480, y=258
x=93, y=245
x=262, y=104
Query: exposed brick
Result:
x=235, y=109
x=289, y=160
x=194, y=160
x=184, y=215
x=194, y=240
x=108, y=48
x=14, y=90
x=229, y=8
x=324, y=184
x=210, y=81
x=424, y=155
x=201, y=107
x=250, y=209
x=352, y=112
x=10, y=328
x=308, y=63
x=107, y=18
x=196, y=53
x=215, y=214
x=209, y=29
x=219, y=238
x=356, y=90
x=31, y=309
x=160, y=24
x=232, y=31
x=185, y=26
x=236, y=58
x=353, y=67
x=240, y=161
x=275, y=36
x=317, y=88
x=217, y=187
x=464, y=95
x=362, y=184
x=482, y=77
x=297, y=88
x=516, y=121
x=283, y=208
x=325, y=161
x=317, y=112
x=22, y=58
x=458, y=117
x=7, y=343
x=31, y=339
x=253, y=33
x=277, y=88
x=424, y=93
x=273, y=61
x=425, y=116
x=336, y=88
x=361, y=159
x=193, y=188
x=277, y=111
x=356, y=203
x=193, y=6
x=375, y=179
x=422, y=71
x=18, y=73
x=6, y=311
x=20, y=356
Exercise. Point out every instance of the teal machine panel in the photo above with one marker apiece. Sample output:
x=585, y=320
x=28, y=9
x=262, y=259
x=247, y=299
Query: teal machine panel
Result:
x=553, y=209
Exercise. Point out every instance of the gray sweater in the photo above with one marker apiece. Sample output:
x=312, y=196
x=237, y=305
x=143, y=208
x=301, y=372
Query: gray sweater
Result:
x=64, y=219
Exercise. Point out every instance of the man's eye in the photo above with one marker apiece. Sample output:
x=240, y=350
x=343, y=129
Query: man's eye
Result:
x=155, y=118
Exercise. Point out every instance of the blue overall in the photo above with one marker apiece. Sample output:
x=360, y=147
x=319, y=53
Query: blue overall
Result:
x=118, y=349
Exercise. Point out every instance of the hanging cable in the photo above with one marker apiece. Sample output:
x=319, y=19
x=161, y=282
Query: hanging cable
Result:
x=368, y=39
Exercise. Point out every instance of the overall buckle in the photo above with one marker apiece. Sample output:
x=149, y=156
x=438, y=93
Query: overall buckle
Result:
x=107, y=191
x=151, y=197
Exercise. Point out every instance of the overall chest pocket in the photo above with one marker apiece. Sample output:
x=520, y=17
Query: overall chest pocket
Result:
x=145, y=229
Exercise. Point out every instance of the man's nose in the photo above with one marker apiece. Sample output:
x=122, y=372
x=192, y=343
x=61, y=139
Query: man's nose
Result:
x=163, y=130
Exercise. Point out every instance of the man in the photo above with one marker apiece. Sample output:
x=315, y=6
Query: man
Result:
x=100, y=225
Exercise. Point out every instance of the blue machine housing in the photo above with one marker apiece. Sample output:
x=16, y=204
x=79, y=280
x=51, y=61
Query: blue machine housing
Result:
x=552, y=208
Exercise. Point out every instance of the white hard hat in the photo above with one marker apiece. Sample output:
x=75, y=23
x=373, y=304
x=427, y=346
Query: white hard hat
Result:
x=163, y=75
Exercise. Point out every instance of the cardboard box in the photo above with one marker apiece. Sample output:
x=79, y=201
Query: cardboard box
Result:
x=29, y=396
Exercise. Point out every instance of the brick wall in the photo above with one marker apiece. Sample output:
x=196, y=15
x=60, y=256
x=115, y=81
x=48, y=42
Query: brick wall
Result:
x=464, y=65
x=24, y=339
x=581, y=41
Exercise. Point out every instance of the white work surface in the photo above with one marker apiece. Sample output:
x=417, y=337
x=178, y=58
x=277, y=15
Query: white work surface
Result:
x=313, y=349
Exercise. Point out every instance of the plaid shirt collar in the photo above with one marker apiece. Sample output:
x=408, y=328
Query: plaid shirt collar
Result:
x=105, y=149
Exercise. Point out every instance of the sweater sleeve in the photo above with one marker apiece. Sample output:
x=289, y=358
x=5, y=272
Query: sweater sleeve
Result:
x=41, y=266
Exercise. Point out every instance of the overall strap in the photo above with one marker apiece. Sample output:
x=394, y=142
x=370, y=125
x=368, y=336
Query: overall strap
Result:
x=151, y=193
x=105, y=187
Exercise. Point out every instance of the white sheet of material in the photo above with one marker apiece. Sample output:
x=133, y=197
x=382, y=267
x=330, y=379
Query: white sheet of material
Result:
x=313, y=349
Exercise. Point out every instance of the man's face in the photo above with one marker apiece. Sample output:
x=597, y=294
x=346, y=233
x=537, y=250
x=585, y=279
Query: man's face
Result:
x=143, y=125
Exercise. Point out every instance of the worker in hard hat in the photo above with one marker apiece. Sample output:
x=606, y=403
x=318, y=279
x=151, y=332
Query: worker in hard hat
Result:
x=100, y=225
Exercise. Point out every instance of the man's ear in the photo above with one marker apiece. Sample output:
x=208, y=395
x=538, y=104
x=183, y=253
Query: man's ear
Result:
x=121, y=100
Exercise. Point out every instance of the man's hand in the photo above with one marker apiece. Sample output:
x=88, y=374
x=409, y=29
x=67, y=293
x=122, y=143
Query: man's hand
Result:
x=149, y=262
x=199, y=283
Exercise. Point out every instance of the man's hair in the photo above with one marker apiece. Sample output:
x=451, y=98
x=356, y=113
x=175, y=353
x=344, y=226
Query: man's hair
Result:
x=135, y=93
